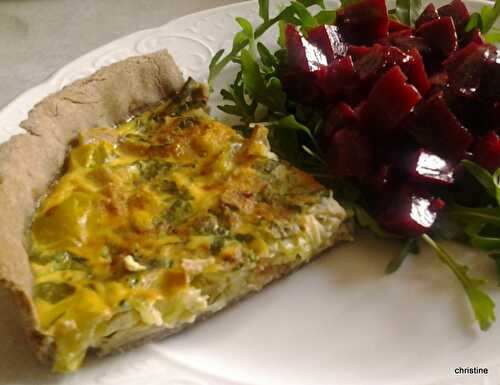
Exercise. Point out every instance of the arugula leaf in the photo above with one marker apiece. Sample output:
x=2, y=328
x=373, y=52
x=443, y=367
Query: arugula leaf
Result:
x=487, y=215
x=482, y=176
x=492, y=37
x=264, y=10
x=252, y=78
x=266, y=57
x=408, y=11
x=485, y=19
x=482, y=305
x=326, y=17
x=345, y=3
x=410, y=247
x=240, y=107
x=477, y=238
x=496, y=183
x=306, y=19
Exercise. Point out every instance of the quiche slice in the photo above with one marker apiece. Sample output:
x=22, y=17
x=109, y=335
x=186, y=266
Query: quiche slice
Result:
x=137, y=229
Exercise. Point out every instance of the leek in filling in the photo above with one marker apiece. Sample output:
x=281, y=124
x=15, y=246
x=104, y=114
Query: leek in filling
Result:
x=168, y=216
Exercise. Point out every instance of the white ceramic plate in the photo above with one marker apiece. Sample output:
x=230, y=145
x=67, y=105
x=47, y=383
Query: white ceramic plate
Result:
x=338, y=321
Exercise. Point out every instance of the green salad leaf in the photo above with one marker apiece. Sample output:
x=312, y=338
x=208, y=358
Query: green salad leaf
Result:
x=264, y=10
x=485, y=19
x=482, y=175
x=493, y=37
x=411, y=246
x=407, y=11
x=481, y=303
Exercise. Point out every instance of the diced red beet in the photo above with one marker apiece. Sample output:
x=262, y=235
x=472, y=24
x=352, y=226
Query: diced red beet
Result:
x=363, y=22
x=439, y=79
x=357, y=51
x=489, y=90
x=350, y=154
x=429, y=13
x=340, y=115
x=378, y=60
x=410, y=212
x=302, y=86
x=423, y=166
x=474, y=70
x=406, y=43
x=390, y=100
x=478, y=115
x=457, y=11
x=440, y=34
x=487, y=151
x=395, y=26
x=380, y=185
x=302, y=55
x=436, y=128
x=380, y=179
x=415, y=70
x=329, y=41
x=337, y=78
x=473, y=36
x=457, y=58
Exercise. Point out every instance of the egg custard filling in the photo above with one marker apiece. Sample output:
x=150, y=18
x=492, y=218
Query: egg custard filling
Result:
x=166, y=217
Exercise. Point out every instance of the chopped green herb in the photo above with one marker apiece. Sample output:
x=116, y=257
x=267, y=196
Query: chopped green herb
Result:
x=244, y=237
x=53, y=292
x=217, y=245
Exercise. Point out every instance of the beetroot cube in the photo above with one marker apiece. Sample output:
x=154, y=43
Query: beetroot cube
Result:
x=487, y=151
x=338, y=77
x=410, y=212
x=457, y=58
x=457, y=11
x=440, y=35
x=436, y=128
x=329, y=41
x=477, y=114
x=429, y=13
x=363, y=22
x=473, y=36
x=489, y=89
x=302, y=86
x=302, y=55
x=415, y=70
x=377, y=61
x=381, y=185
x=425, y=167
x=408, y=42
x=350, y=154
x=475, y=70
x=357, y=51
x=339, y=116
x=390, y=100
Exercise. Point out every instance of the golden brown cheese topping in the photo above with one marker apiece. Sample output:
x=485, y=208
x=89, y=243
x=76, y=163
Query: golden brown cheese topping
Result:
x=165, y=217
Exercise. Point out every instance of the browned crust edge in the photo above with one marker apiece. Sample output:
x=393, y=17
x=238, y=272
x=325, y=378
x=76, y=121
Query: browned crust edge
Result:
x=30, y=162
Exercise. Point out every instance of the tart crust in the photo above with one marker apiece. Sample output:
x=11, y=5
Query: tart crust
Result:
x=30, y=162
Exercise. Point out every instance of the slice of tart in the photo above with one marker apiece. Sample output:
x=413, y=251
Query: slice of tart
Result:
x=154, y=222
